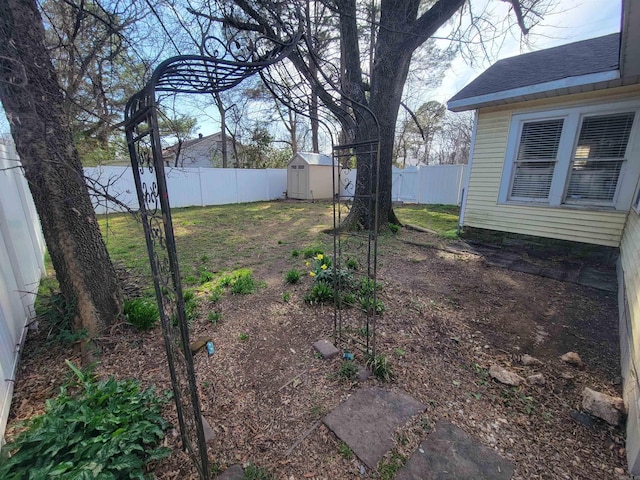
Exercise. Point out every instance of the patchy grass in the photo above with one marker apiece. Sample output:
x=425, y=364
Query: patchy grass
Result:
x=224, y=237
x=443, y=219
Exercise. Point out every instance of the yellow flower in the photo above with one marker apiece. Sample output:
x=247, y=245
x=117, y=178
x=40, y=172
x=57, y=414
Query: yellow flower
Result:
x=320, y=256
x=313, y=274
x=324, y=267
x=306, y=263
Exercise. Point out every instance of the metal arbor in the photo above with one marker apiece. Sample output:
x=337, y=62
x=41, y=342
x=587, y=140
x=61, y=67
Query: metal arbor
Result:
x=228, y=66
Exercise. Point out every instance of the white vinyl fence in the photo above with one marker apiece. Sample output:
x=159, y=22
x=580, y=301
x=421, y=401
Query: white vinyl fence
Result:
x=188, y=186
x=21, y=268
x=217, y=186
x=426, y=184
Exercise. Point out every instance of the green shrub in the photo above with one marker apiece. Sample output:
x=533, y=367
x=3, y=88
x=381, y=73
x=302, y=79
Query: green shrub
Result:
x=292, y=276
x=367, y=304
x=380, y=367
x=348, y=371
x=206, y=277
x=321, y=292
x=352, y=264
x=58, y=315
x=312, y=251
x=214, y=317
x=215, y=294
x=109, y=429
x=190, y=305
x=251, y=472
x=394, y=228
x=244, y=283
x=142, y=314
x=295, y=253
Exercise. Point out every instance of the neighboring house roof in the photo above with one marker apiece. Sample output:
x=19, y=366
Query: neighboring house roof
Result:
x=572, y=68
x=314, y=158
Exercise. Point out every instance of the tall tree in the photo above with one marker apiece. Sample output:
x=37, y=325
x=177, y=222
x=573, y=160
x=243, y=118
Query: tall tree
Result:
x=34, y=103
x=402, y=28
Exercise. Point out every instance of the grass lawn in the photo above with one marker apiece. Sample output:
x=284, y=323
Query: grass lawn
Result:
x=229, y=237
x=443, y=219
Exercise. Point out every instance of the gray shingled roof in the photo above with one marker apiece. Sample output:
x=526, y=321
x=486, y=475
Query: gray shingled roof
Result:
x=580, y=58
x=314, y=158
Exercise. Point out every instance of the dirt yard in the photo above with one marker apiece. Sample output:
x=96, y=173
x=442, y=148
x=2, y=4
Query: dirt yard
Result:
x=448, y=317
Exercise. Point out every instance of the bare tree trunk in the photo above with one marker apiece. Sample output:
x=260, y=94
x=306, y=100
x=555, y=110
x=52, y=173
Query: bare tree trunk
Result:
x=33, y=101
x=223, y=130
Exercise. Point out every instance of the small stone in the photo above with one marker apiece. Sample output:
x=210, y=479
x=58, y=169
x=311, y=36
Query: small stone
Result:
x=619, y=471
x=209, y=434
x=583, y=419
x=198, y=345
x=567, y=375
x=232, y=473
x=504, y=376
x=572, y=358
x=363, y=373
x=326, y=349
x=608, y=408
x=536, y=379
x=528, y=361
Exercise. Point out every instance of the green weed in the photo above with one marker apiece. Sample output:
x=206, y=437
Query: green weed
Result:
x=214, y=317
x=348, y=371
x=344, y=451
x=380, y=367
x=142, y=314
x=286, y=296
x=252, y=472
x=292, y=276
x=106, y=429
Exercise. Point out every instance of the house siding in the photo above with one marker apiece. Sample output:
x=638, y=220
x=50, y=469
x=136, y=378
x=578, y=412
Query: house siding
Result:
x=630, y=334
x=482, y=210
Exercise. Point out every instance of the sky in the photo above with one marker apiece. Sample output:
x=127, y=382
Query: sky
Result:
x=573, y=20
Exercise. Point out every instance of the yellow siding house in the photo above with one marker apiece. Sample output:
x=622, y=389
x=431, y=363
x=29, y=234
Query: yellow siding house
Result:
x=556, y=154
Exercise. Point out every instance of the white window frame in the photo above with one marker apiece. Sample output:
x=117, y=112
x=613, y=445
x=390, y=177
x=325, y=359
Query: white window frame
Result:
x=570, y=130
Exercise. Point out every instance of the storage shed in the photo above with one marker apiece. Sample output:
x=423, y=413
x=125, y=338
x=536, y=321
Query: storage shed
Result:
x=309, y=176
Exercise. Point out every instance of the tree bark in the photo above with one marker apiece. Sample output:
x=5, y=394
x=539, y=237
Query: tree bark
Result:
x=33, y=101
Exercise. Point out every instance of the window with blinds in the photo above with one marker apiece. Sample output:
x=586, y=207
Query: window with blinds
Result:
x=536, y=159
x=598, y=158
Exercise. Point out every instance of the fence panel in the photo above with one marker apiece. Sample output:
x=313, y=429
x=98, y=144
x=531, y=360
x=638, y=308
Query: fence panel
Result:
x=220, y=186
x=441, y=184
x=21, y=268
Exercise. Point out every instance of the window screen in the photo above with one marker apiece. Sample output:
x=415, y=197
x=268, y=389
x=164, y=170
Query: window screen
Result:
x=536, y=159
x=599, y=157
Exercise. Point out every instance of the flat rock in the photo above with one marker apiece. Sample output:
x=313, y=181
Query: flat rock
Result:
x=528, y=361
x=536, y=379
x=209, y=434
x=505, y=376
x=572, y=358
x=367, y=421
x=449, y=453
x=600, y=405
x=232, y=473
x=327, y=349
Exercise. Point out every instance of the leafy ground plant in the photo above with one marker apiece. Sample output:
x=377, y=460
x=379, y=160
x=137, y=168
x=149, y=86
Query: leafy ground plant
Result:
x=292, y=276
x=380, y=367
x=142, y=314
x=108, y=429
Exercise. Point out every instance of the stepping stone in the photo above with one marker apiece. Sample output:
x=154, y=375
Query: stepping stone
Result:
x=449, y=453
x=326, y=349
x=368, y=420
x=232, y=473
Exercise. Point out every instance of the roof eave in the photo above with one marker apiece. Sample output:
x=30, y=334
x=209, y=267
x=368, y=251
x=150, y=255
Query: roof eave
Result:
x=564, y=86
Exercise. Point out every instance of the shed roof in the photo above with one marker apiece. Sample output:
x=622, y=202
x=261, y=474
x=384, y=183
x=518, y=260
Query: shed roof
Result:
x=314, y=158
x=586, y=62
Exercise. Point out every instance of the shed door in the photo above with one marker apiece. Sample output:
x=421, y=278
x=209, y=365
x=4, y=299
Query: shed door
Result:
x=302, y=181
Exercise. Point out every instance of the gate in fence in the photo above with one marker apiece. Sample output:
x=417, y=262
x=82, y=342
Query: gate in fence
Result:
x=216, y=70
